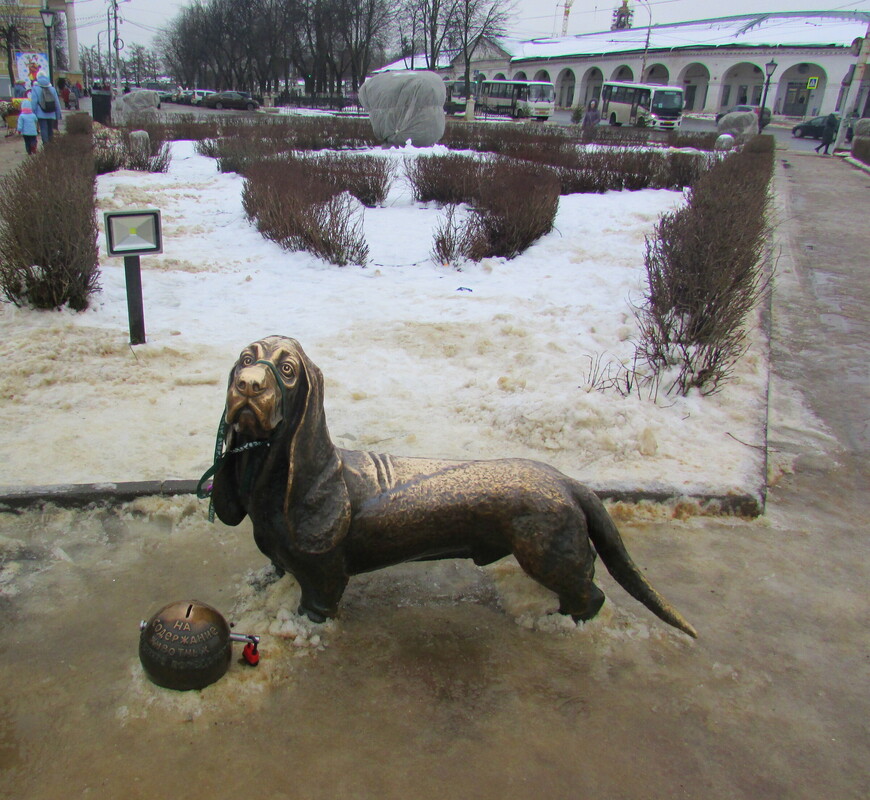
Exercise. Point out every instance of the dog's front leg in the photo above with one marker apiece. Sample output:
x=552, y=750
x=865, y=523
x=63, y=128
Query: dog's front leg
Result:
x=322, y=579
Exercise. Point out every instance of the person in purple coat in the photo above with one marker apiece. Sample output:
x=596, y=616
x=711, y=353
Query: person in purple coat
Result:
x=46, y=107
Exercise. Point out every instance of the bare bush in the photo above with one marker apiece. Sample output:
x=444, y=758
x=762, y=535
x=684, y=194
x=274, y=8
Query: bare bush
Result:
x=79, y=123
x=367, y=178
x=48, y=233
x=335, y=232
x=607, y=373
x=516, y=205
x=238, y=153
x=208, y=147
x=156, y=157
x=446, y=179
x=108, y=155
x=513, y=203
x=295, y=207
x=455, y=239
x=706, y=270
x=696, y=139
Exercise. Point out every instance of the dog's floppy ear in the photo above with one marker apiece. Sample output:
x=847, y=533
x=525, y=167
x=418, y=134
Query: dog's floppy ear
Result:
x=316, y=503
x=225, y=485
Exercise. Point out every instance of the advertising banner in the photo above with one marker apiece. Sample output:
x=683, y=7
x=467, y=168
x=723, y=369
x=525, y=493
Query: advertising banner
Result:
x=29, y=66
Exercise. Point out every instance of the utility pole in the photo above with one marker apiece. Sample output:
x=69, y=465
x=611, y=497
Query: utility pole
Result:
x=646, y=44
x=854, y=88
x=108, y=74
x=118, y=45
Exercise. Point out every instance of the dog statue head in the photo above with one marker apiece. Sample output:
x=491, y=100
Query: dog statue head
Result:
x=275, y=395
x=267, y=383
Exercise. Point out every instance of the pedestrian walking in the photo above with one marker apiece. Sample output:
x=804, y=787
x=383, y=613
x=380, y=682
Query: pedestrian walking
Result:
x=46, y=107
x=829, y=133
x=27, y=127
x=592, y=116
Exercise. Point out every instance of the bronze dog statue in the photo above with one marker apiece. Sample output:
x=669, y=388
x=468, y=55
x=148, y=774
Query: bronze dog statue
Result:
x=324, y=513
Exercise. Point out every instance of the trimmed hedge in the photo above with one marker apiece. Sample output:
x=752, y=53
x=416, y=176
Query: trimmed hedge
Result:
x=706, y=270
x=298, y=208
x=512, y=205
x=48, y=229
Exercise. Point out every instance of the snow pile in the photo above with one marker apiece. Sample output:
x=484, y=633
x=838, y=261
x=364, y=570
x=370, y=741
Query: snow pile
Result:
x=419, y=359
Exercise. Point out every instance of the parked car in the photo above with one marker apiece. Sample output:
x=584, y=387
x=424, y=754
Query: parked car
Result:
x=765, y=115
x=813, y=128
x=192, y=97
x=231, y=100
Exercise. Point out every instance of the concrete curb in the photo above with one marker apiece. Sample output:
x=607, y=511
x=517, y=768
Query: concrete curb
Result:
x=856, y=163
x=81, y=495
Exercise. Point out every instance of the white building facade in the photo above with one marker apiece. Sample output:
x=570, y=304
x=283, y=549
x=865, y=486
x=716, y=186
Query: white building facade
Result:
x=719, y=63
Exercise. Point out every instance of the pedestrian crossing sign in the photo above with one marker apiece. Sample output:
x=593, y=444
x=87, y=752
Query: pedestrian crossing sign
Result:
x=813, y=83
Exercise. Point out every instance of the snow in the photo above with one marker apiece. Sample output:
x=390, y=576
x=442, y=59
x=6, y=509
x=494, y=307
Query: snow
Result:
x=420, y=359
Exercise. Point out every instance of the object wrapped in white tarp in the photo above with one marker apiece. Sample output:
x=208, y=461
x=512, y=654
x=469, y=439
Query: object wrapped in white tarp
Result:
x=405, y=106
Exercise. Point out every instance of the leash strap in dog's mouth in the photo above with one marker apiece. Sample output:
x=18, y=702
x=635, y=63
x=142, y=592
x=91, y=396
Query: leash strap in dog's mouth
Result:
x=203, y=491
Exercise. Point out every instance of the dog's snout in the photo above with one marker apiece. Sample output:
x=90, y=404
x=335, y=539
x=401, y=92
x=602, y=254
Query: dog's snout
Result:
x=251, y=381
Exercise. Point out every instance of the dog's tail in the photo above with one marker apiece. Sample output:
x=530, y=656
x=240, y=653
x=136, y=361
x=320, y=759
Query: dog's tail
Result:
x=609, y=545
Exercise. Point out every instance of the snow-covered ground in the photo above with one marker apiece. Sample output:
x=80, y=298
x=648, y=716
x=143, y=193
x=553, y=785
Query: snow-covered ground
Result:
x=420, y=359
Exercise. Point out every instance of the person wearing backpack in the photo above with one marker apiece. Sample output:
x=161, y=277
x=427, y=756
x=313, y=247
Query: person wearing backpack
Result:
x=46, y=107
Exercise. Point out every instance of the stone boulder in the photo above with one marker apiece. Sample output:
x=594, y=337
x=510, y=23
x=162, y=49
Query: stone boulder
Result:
x=862, y=127
x=139, y=103
x=725, y=141
x=739, y=124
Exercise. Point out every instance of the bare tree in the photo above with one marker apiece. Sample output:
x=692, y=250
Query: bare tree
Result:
x=246, y=44
x=438, y=18
x=474, y=21
x=15, y=32
x=365, y=26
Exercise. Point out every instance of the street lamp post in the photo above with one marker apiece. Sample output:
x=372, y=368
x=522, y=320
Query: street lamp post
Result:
x=769, y=69
x=48, y=21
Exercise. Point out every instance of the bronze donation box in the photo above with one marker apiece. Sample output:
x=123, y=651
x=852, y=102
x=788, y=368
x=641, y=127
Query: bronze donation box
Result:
x=185, y=645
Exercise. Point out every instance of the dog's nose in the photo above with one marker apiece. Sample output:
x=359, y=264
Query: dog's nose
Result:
x=251, y=381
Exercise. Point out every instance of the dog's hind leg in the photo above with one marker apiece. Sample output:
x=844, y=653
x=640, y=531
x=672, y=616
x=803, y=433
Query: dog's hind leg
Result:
x=562, y=560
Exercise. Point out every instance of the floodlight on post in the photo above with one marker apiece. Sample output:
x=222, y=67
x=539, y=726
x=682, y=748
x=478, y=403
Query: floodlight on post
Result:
x=769, y=69
x=48, y=22
x=131, y=234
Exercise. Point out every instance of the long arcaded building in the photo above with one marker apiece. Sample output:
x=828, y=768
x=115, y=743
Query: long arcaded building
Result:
x=718, y=62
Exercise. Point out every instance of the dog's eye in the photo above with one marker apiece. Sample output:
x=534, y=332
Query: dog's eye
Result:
x=287, y=370
x=246, y=360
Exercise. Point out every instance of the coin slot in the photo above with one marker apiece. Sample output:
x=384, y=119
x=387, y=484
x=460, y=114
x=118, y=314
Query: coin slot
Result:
x=189, y=609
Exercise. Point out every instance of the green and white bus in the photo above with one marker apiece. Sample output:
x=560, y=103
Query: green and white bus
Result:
x=642, y=104
x=518, y=98
x=456, y=99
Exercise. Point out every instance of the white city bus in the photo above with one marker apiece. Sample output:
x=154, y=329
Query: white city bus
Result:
x=518, y=98
x=642, y=104
x=456, y=99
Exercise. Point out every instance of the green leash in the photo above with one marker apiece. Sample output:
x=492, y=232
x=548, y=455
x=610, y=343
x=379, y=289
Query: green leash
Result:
x=203, y=491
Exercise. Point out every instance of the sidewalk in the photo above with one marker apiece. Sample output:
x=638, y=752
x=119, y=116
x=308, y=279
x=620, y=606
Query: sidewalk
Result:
x=11, y=151
x=12, y=145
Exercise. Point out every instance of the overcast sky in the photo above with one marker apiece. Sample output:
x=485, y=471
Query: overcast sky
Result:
x=143, y=18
